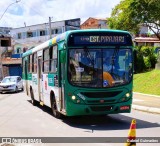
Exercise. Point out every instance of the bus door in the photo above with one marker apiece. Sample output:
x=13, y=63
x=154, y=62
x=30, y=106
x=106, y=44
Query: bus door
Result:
x=62, y=79
x=40, y=78
x=26, y=76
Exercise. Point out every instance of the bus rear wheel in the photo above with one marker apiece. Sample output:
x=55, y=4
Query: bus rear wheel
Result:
x=56, y=114
x=33, y=101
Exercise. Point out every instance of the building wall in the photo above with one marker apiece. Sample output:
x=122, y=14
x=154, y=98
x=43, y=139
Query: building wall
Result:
x=94, y=23
x=5, y=31
x=5, y=71
x=5, y=44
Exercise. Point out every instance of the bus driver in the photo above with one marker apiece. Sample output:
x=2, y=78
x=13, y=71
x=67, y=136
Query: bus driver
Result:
x=107, y=68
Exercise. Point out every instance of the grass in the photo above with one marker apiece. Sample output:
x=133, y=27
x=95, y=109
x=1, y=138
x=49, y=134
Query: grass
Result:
x=147, y=83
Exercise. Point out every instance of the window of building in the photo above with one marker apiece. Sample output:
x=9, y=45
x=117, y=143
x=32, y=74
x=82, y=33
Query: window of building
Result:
x=29, y=34
x=19, y=35
x=18, y=50
x=56, y=31
x=24, y=35
x=42, y=32
x=52, y=31
x=34, y=33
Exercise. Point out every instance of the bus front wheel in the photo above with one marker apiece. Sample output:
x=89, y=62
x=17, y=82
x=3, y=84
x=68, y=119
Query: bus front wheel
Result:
x=56, y=114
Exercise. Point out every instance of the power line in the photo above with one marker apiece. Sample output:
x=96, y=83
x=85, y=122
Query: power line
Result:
x=8, y=7
x=25, y=4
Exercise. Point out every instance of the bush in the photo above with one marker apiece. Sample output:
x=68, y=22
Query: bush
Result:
x=146, y=58
x=150, y=58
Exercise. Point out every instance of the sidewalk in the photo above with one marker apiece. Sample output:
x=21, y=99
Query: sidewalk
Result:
x=146, y=102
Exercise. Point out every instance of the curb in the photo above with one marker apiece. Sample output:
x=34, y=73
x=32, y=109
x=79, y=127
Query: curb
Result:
x=146, y=109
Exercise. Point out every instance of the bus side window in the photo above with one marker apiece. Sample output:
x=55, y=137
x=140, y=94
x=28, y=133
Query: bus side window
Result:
x=46, y=59
x=30, y=64
x=34, y=63
x=53, y=60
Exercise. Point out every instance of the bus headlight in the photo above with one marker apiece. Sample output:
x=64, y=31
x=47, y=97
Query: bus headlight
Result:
x=125, y=98
x=127, y=94
x=73, y=97
x=76, y=99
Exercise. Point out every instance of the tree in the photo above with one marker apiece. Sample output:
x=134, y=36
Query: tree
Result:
x=131, y=14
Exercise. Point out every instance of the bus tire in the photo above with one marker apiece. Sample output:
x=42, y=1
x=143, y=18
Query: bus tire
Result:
x=56, y=114
x=33, y=101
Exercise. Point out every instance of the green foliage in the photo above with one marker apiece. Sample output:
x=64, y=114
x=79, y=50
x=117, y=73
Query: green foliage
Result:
x=150, y=58
x=130, y=14
x=147, y=62
x=139, y=62
x=146, y=58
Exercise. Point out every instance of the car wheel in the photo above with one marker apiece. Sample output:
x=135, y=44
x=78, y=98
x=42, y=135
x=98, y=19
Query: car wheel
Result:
x=22, y=88
x=16, y=90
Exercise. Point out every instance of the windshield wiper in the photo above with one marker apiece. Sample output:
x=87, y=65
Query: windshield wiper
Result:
x=89, y=56
x=118, y=82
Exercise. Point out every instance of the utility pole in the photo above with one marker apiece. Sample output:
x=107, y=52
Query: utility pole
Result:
x=50, y=35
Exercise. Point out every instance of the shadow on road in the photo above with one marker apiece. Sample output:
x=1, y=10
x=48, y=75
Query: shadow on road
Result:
x=105, y=122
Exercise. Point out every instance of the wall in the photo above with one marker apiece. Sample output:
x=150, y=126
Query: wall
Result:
x=94, y=23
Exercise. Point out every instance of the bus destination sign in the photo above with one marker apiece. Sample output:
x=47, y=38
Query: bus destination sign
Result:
x=79, y=40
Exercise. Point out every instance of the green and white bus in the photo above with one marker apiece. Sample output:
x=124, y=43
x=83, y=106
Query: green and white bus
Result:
x=67, y=73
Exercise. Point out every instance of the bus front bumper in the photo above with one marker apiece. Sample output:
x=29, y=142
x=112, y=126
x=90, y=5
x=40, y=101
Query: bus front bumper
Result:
x=83, y=109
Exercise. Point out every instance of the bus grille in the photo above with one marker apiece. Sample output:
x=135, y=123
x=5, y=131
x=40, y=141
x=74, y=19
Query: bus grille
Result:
x=101, y=108
x=101, y=94
x=98, y=101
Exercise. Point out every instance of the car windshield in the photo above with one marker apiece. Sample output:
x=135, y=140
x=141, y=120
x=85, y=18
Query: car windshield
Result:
x=9, y=79
x=100, y=67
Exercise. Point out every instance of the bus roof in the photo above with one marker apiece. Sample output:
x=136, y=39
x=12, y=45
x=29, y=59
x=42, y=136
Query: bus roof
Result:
x=64, y=35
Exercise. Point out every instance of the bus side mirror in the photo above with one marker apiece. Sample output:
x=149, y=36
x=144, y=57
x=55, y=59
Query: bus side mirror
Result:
x=62, y=56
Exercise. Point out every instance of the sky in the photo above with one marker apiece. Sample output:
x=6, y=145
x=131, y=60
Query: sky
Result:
x=31, y=12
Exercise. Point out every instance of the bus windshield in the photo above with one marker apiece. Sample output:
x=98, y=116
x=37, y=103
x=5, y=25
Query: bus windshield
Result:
x=105, y=67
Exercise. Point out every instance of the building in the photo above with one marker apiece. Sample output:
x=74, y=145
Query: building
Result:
x=30, y=36
x=147, y=41
x=94, y=23
x=5, y=46
x=5, y=31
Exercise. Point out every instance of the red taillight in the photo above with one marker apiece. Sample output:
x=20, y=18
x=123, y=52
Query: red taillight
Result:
x=126, y=107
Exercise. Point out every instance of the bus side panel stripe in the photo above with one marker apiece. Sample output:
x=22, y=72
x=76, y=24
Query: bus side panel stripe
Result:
x=53, y=40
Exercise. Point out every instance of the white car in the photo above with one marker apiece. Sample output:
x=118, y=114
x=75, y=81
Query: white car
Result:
x=11, y=84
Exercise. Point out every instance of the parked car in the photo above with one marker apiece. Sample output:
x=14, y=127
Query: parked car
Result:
x=11, y=84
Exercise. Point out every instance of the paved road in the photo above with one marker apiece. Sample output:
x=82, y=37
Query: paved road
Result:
x=146, y=103
x=146, y=100
x=19, y=118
